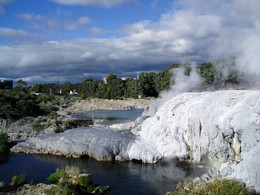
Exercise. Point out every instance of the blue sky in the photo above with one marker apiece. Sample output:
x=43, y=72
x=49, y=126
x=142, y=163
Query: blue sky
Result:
x=71, y=40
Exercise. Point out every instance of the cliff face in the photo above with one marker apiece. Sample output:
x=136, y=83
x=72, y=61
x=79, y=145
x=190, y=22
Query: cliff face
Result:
x=223, y=125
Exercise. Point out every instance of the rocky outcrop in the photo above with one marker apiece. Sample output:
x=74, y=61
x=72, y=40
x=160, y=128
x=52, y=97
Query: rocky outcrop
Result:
x=223, y=126
x=27, y=189
x=18, y=129
x=31, y=127
x=102, y=144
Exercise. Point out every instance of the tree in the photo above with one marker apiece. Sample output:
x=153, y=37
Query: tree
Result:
x=115, y=87
x=21, y=83
x=88, y=88
x=147, y=84
x=207, y=72
x=131, y=89
x=163, y=79
x=66, y=88
x=37, y=88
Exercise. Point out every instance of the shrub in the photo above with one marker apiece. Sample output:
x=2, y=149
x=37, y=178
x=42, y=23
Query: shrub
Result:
x=53, y=115
x=55, y=177
x=70, y=181
x=216, y=187
x=18, y=180
x=3, y=142
x=37, y=126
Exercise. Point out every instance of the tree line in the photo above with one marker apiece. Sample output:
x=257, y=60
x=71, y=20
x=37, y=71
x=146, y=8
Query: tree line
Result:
x=149, y=84
x=24, y=100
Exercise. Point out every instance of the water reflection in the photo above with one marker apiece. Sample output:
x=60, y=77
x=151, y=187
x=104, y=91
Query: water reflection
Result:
x=122, y=177
x=4, y=157
x=109, y=117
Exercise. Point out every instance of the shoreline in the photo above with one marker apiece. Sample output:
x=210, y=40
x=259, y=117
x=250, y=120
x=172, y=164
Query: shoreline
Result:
x=105, y=104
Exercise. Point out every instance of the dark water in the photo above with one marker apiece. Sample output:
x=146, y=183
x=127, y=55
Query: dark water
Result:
x=126, y=178
x=122, y=177
x=109, y=117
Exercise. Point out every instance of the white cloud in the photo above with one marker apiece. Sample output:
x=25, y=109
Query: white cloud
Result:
x=3, y=3
x=96, y=31
x=74, y=24
x=46, y=23
x=31, y=17
x=14, y=34
x=95, y=3
x=197, y=31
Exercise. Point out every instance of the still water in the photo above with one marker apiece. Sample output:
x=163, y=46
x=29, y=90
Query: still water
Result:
x=123, y=177
x=108, y=117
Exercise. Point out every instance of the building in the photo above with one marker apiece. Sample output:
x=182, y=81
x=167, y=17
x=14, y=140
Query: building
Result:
x=6, y=84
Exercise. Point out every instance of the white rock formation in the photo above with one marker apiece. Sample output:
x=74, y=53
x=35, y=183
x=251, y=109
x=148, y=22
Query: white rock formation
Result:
x=222, y=125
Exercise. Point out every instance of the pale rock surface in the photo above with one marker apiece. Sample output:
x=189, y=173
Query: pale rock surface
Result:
x=100, y=143
x=222, y=125
x=103, y=144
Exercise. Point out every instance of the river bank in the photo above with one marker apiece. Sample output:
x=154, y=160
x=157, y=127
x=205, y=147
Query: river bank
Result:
x=104, y=104
x=33, y=126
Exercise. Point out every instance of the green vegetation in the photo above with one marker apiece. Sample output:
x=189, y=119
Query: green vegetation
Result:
x=37, y=126
x=17, y=103
x=71, y=181
x=53, y=115
x=207, y=72
x=216, y=187
x=3, y=142
x=18, y=180
x=55, y=177
x=40, y=99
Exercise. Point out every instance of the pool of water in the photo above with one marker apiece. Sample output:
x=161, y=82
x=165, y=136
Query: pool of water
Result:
x=122, y=177
x=109, y=117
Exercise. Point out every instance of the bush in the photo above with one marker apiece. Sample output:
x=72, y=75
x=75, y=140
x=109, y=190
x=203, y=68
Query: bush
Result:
x=216, y=187
x=3, y=142
x=55, y=177
x=18, y=180
x=37, y=126
x=53, y=115
x=71, y=181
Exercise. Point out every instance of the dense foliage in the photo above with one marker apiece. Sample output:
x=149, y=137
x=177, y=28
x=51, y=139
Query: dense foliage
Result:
x=17, y=103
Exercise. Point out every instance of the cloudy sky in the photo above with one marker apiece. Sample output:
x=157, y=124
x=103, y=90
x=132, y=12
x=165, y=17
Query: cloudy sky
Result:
x=70, y=40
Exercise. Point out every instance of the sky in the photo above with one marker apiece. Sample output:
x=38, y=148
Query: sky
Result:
x=71, y=40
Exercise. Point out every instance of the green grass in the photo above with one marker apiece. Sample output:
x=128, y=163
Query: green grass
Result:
x=216, y=187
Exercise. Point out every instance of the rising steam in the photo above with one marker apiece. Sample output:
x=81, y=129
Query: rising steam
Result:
x=182, y=83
